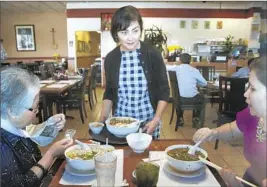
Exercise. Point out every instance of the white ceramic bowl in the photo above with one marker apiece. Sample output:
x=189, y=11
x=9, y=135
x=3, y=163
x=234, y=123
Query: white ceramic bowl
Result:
x=96, y=127
x=123, y=131
x=139, y=141
x=77, y=164
x=185, y=166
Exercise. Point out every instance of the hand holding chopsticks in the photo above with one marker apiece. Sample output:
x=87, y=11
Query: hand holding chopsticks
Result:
x=219, y=168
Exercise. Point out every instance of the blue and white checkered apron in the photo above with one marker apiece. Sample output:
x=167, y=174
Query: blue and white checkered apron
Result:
x=133, y=96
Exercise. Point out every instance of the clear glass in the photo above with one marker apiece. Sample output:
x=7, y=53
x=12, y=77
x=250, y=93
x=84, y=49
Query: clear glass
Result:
x=70, y=133
x=105, y=166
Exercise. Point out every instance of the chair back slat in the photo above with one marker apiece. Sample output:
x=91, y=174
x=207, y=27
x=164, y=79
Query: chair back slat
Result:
x=207, y=72
x=232, y=94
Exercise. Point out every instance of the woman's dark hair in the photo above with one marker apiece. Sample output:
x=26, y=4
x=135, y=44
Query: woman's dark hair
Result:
x=122, y=19
x=259, y=65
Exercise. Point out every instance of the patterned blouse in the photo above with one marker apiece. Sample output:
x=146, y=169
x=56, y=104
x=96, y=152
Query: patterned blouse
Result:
x=18, y=156
x=133, y=96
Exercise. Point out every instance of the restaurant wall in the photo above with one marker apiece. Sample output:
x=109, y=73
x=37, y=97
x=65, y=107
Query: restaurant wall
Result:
x=43, y=23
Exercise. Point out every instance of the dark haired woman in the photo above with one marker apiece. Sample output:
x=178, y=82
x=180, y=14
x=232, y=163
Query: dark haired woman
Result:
x=250, y=124
x=136, y=79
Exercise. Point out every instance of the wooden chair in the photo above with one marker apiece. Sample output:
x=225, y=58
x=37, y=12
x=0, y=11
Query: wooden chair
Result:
x=91, y=88
x=207, y=72
x=231, y=100
x=178, y=106
x=75, y=100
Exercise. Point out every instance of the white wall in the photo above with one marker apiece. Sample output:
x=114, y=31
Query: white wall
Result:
x=239, y=28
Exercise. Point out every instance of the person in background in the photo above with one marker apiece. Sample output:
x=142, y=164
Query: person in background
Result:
x=3, y=54
x=188, y=78
x=244, y=71
x=250, y=124
x=21, y=161
x=136, y=78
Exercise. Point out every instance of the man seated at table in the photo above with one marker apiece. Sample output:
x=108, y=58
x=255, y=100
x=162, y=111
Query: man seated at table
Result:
x=244, y=71
x=188, y=78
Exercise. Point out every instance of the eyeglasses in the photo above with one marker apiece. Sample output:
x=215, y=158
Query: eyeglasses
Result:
x=35, y=111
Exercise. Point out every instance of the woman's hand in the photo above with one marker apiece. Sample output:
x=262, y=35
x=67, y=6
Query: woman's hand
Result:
x=150, y=127
x=229, y=178
x=57, y=120
x=58, y=148
x=205, y=134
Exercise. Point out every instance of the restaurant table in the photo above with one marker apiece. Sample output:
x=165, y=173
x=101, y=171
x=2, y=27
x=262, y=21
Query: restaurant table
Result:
x=131, y=159
x=47, y=92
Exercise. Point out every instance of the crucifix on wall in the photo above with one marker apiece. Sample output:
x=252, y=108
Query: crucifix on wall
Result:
x=54, y=45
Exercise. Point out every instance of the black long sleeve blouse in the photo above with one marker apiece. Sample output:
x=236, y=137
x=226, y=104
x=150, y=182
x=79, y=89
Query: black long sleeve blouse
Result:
x=18, y=155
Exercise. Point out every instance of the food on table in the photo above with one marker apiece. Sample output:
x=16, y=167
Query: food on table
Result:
x=81, y=154
x=147, y=174
x=182, y=154
x=97, y=125
x=120, y=122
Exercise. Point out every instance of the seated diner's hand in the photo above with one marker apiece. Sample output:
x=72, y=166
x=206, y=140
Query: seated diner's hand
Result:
x=150, y=127
x=58, y=120
x=229, y=178
x=205, y=134
x=58, y=148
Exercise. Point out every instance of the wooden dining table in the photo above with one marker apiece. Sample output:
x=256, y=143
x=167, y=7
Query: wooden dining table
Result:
x=47, y=92
x=131, y=159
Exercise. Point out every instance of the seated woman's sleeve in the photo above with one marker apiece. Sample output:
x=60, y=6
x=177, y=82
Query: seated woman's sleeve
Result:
x=11, y=172
x=245, y=120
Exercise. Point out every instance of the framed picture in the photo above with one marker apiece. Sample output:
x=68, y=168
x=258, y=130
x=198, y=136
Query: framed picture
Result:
x=219, y=24
x=182, y=24
x=25, y=38
x=206, y=24
x=194, y=24
x=106, y=21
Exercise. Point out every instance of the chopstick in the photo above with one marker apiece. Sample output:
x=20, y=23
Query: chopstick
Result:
x=219, y=168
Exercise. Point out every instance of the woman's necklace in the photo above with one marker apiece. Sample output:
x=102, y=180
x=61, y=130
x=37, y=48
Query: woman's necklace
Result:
x=261, y=133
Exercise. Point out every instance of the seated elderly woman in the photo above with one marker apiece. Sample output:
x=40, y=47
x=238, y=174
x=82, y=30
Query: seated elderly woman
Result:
x=251, y=124
x=21, y=160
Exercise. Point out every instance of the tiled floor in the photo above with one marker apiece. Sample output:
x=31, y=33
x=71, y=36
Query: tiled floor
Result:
x=228, y=155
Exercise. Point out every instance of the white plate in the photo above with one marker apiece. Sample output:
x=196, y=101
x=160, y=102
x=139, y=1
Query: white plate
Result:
x=79, y=172
x=167, y=168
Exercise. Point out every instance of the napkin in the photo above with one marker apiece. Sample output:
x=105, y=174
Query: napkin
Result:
x=207, y=179
x=68, y=179
x=57, y=85
x=67, y=81
x=46, y=81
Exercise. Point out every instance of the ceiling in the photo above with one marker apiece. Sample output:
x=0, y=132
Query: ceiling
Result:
x=40, y=6
x=32, y=7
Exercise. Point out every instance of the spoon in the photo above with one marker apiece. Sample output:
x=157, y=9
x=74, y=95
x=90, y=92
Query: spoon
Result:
x=192, y=149
x=83, y=145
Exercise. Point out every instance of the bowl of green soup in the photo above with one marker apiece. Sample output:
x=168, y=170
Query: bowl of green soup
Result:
x=178, y=158
x=79, y=158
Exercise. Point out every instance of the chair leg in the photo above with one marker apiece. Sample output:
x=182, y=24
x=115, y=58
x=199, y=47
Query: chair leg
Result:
x=90, y=102
x=85, y=112
x=64, y=109
x=172, y=113
x=95, y=95
x=178, y=119
x=216, y=144
x=81, y=113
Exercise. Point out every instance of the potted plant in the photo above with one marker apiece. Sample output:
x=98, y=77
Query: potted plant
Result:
x=155, y=37
x=228, y=43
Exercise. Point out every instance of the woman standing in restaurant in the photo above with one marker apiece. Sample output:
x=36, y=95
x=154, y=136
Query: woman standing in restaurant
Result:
x=251, y=124
x=136, y=79
x=22, y=164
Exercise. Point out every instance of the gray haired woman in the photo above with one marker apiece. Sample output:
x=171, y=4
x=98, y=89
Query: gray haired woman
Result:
x=21, y=160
